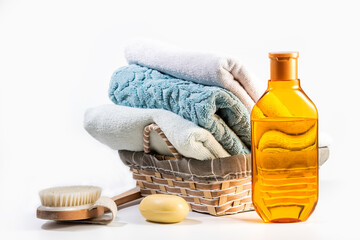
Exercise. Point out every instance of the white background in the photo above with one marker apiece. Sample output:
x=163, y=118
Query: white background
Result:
x=56, y=60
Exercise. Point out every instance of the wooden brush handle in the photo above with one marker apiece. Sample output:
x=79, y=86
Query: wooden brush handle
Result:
x=127, y=196
x=120, y=199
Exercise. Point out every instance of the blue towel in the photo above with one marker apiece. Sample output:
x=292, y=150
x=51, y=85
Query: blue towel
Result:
x=210, y=107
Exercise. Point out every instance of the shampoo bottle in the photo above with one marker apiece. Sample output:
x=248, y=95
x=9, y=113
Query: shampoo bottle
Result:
x=284, y=147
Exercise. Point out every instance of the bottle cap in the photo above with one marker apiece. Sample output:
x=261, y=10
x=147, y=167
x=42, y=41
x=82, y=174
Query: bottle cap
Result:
x=283, y=65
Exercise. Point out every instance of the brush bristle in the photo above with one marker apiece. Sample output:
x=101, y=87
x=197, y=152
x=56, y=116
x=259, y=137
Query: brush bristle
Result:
x=69, y=196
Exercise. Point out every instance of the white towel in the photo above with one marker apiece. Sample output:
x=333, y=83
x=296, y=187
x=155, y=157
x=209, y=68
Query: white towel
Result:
x=207, y=69
x=121, y=128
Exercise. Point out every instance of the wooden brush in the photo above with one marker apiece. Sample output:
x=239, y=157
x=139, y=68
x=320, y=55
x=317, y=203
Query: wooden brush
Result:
x=80, y=202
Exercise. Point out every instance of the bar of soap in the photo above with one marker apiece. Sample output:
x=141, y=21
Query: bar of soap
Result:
x=164, y=208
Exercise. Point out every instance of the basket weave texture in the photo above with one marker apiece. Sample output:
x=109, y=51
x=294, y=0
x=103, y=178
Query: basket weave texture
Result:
x=227, y=197
x=218, y=187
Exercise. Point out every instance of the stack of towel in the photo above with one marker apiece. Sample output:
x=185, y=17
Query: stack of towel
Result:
x=202, y=103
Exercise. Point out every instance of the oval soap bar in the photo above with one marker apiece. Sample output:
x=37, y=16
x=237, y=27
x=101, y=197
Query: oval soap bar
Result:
x=164, y=208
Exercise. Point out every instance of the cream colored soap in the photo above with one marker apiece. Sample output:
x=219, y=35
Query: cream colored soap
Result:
x=164, y=208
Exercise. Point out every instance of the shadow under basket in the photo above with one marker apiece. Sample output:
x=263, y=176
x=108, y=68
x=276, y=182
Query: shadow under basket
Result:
x=218, y=186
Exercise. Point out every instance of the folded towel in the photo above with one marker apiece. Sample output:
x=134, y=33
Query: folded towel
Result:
x=121, y=128
x=207, y=69
x=212, y=108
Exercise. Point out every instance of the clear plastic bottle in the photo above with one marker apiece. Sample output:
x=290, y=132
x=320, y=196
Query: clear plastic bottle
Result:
x=284, y=148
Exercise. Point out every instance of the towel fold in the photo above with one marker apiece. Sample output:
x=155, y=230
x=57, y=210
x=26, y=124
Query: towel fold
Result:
x=210, y=107
x=207, y=69
x=121, y=128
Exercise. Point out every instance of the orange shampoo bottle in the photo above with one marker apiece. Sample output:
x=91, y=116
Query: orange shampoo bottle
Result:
x=284, y=147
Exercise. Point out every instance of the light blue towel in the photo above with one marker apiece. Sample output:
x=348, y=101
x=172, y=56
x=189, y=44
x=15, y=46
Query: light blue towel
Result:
x=210, y=107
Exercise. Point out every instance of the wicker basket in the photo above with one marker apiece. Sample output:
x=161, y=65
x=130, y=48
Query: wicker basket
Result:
x=221, y=186
x=219, y=198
